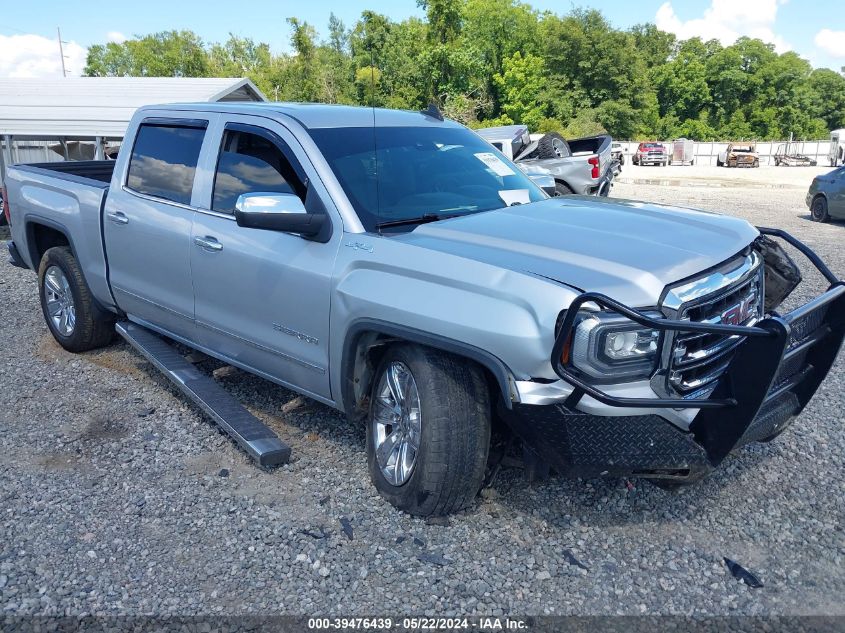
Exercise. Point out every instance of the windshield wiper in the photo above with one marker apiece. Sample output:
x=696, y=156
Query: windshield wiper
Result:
x=423, y=219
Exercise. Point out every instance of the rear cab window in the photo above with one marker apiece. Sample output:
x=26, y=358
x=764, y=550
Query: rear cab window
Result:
x=164, y=159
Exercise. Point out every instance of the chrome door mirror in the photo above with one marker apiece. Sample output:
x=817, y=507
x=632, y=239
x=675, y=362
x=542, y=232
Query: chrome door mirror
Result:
x=277, y=212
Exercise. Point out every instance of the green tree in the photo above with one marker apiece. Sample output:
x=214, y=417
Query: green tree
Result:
x=681, y=84
x=619, y=118
x=520, y=86
x=164, y=54
x=655, y=46
x=828, y=97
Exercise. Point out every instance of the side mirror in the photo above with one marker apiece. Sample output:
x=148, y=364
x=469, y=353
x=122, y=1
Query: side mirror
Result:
x=277, y=212
x=546, y=182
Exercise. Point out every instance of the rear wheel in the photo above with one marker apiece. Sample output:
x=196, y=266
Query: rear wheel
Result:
x=818, y=210
x=428, y=432
x=562, y=189
x=69, y=309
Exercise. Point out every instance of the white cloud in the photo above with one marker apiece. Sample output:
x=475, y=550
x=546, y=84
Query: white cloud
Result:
x=116, y=36
x=35, y=56
x=831, y=42
x=726, y=20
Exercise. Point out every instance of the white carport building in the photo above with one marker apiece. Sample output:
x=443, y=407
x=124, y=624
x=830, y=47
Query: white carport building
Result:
x=44, y=120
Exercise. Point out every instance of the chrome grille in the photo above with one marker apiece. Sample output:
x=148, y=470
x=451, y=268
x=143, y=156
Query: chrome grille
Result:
x=697, y=360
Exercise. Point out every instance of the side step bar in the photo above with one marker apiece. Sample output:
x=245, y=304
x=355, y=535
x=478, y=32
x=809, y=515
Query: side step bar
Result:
x=262, y=444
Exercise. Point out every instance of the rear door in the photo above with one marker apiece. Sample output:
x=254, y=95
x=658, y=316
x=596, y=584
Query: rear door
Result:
x=147, y=224
x=262, y=296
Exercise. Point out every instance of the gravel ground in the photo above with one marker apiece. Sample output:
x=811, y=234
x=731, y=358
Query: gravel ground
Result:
x=119, y=497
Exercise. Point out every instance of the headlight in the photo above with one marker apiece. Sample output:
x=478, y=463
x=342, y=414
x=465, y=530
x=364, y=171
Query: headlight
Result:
x=608, y=345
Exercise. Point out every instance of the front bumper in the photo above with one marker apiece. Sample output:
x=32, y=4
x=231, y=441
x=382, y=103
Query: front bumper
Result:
x=773, y=375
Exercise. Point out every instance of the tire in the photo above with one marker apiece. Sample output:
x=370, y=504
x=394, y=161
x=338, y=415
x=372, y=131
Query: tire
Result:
x=453, y=432
x=756, y=163
x=552, y=145
x=622, y=160
x=65, y=298
x=818, y=210
x=562, y=189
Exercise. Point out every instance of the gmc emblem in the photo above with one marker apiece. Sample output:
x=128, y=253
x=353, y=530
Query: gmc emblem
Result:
x=740, y=313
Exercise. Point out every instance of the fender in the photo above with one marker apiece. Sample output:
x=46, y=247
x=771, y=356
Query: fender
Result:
x=30, y=222
x=503, y=375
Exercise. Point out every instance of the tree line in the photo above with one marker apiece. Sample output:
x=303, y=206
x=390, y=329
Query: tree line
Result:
x=489, y=62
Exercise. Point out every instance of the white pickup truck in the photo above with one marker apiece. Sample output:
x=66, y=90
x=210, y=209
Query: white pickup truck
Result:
x=396, y=267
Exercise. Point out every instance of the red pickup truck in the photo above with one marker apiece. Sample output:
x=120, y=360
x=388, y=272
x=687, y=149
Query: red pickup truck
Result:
x=651, y=154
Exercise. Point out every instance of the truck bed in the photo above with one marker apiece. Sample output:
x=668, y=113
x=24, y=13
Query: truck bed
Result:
x=66, y=199
x=90, y=170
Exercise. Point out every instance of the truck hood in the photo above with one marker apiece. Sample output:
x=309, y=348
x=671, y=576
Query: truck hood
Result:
x=628, y=250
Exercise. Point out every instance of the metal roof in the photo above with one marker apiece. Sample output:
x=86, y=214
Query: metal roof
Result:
x=86, y=107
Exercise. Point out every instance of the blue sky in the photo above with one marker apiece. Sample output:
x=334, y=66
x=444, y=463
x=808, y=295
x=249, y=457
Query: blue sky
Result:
x=813, y=28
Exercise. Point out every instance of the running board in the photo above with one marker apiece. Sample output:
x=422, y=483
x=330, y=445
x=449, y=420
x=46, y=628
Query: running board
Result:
x=262, y=444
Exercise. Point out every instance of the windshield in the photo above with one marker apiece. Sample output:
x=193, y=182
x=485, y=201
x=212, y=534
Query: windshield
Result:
x=409, y=172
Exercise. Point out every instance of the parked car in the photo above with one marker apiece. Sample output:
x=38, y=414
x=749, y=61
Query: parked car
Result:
x=739, y=155
x=650, y=154
x=617, y=153
x=826, y=196
x=580, y=165
x=836, y=151
x=392, y=265
x=787, y=155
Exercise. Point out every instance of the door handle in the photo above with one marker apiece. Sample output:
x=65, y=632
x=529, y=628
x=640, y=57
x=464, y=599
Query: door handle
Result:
x=208, y=243
x=118, y=217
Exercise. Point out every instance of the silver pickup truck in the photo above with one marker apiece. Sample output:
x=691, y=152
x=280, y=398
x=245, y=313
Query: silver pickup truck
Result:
x=394, y=266
x=583, y=166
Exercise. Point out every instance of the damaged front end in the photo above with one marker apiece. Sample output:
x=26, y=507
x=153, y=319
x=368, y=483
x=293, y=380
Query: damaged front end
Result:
x=722, y=350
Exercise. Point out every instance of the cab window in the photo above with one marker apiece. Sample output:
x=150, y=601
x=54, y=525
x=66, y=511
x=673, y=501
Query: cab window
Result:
x=164, y=161
x=252, y=162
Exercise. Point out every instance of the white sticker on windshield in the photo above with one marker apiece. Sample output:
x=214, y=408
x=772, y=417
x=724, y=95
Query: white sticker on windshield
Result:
x=512, y=197
x=495, y=163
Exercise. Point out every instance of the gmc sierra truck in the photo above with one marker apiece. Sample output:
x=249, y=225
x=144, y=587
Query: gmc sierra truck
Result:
x=394, y=266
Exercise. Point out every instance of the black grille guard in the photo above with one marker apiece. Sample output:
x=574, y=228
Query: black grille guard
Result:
x=811, y=335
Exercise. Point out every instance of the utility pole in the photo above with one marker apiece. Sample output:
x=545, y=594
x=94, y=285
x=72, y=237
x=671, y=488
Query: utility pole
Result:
x=61, y=52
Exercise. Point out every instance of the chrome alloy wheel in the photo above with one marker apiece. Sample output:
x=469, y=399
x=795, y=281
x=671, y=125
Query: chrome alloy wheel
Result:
x=59, y=301
x=396, y=423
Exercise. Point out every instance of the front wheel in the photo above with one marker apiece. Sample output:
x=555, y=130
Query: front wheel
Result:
x=428, y=432
x=69, y=309
x=818, y=210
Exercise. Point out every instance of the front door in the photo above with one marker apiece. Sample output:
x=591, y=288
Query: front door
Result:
x=147, y=225
x=262, y=297
x=837, y=194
